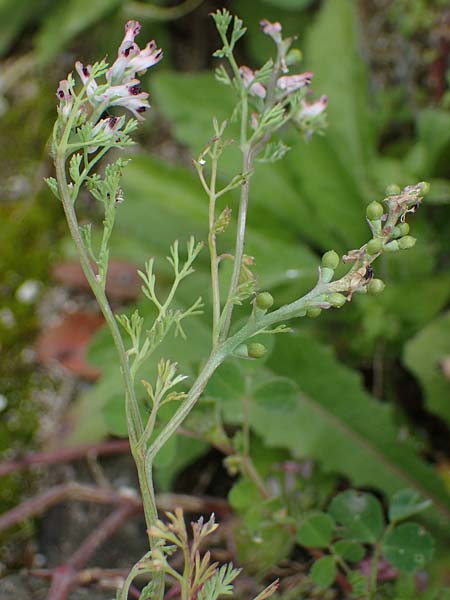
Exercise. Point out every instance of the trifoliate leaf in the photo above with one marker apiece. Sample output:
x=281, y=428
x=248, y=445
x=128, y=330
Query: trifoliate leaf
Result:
x=405, y=504
x=324, y=571
x=349, y=550
x=316, y=530
x=360, y=514
x=408, y=547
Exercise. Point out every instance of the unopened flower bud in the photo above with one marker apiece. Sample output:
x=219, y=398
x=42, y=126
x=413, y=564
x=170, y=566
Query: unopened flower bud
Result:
x=407, y=242
x=395, y=233
x=256, y=350
x=326, y=274
x=403, y=228
x=374, y=211
x=424, y=187
x=313, y=312
x=392, y=190
x=392, y=246
x=330, y=259
x=376, y=286
x=337, y=300
x=374, y=246
x=241, y=350
x=233, y=465
x=264, y=300
x=293, y=57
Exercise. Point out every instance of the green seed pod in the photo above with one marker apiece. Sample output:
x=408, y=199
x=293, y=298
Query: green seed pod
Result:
x=407, y=242
x=374, y=211
x=424, y=187
x=326, y=274
x=264, y=300
x=392, y=190
x=256, y=350
x=241, y=350
x=293, y=57
x=313, y=312
x=396, y=233
x=337, y=300
x=404, y=228
x=392, y=246
x=233, y=465
x=374, y=246
x=330, y=259
x=376, y=286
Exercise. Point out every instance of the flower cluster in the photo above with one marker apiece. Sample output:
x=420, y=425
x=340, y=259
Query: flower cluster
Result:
x=307, y=116
x=122, y=87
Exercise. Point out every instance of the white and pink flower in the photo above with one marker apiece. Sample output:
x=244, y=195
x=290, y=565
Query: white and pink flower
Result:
x=130, y=58
x=291, y=83
x=271, y=29
x=122, y=87
x=248, y=76
x=64, y=94
x=313, y=109
x=106, y=131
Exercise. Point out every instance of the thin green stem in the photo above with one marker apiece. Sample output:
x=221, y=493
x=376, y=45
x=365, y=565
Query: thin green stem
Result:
x=215, y=359
x=134, y=421
x=373, y=577
x=247, y=165
x=213, y=253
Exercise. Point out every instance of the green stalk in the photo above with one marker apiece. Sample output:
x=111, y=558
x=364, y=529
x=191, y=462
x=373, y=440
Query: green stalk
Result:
x=247, y=165
x=213, y=253
x=134, y=421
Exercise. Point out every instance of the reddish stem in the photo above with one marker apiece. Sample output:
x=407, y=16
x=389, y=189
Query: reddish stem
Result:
x=64, y=455
x=56, y=494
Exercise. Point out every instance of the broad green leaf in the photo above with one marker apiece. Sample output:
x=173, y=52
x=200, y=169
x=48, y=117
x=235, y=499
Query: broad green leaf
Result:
x=337, y=422
x=424, y=356
x=66, y=21
x=347, y=151
x=114, y=415
x=316, y=530
x=324, y=571
x=339, y=72
x=203, y=98
x=349, y=550
x=243, y=495
x=429, y=158
x=261, y=539
x=292, y=195
x=408, y=547
x=360, y=514
x=332, y=419
x=405, y=504
x=163, y=202
x=177, y=454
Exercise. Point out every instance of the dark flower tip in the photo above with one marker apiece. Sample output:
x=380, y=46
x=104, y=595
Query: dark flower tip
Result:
x=135, y=89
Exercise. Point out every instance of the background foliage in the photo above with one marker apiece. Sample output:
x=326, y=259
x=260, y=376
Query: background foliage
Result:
x=364, y=391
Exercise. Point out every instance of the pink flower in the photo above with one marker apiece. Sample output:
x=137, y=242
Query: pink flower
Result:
x=313, y=109
x=271, y=29
x=128, y=95
x=257, y=89
x=107, y=129
x=123, y=89
x=64, y=93
x=130, y=58
x=291, y=83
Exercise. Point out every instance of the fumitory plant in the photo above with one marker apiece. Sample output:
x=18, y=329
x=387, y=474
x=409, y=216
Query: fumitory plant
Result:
x=99, y=113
